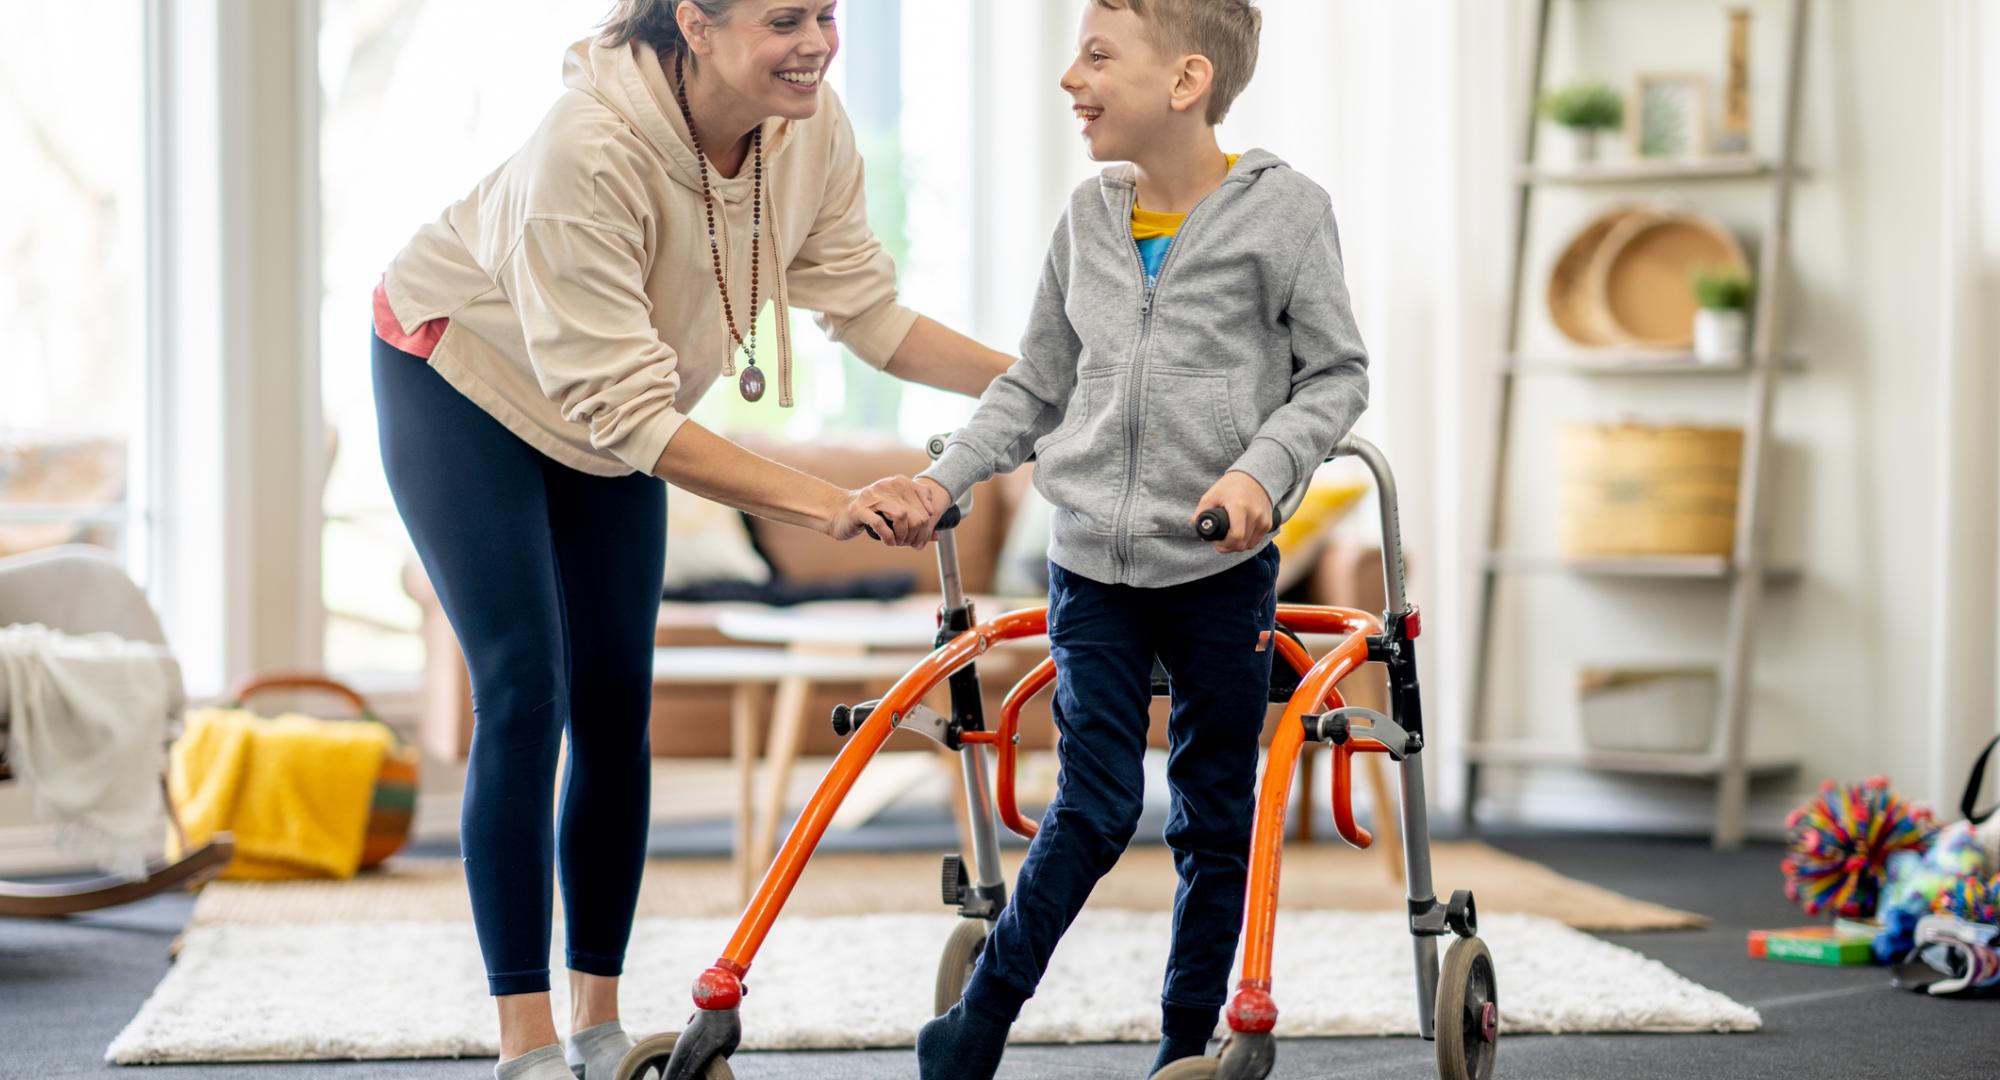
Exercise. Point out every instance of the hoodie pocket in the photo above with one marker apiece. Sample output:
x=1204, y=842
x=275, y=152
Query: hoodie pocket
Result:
x=1080, y=466
x=1188, y=442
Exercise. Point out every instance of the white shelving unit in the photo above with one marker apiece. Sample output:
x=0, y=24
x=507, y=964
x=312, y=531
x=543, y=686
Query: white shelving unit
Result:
x=1744, y=574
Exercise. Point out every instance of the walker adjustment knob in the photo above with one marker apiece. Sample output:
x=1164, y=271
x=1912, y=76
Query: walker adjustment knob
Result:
x=847, y=719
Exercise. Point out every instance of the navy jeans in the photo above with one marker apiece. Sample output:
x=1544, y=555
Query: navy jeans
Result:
x=551, y=580
x=1208, y=636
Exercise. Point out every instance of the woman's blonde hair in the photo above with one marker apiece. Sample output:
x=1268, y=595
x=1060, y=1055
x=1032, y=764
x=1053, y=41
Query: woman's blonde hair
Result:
x=653, y=22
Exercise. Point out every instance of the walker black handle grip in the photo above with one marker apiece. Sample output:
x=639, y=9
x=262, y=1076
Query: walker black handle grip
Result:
x=949, y=520
x=1213, y=524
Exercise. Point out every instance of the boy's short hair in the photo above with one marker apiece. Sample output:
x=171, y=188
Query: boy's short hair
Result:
x=1225, y=31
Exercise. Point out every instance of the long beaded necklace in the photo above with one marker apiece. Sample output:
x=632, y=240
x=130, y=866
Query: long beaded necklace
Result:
x=752, y=381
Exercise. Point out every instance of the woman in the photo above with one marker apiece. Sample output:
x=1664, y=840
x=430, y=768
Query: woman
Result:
x=537, y=350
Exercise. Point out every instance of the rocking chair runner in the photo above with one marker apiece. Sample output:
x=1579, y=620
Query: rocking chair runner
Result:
x=82, y=590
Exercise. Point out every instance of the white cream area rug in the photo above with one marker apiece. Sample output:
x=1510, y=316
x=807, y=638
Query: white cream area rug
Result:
x=329, y=991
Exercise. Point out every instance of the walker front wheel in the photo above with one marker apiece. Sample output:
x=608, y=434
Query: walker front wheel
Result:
x=648, y=1059
x=961, y=951
x=1468, y=1012
x=1242, y=1057
x=1194, y=1068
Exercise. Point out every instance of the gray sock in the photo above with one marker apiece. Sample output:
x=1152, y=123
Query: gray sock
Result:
x=594, y=1052
x=541, y=1063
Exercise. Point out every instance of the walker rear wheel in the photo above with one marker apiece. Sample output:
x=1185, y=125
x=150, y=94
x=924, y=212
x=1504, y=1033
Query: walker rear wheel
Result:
x=961, y=951
x=1468, y=1012
x=648, y=1059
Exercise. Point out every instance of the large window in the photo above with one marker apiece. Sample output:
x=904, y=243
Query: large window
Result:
x=73, y=373
x=423, y=97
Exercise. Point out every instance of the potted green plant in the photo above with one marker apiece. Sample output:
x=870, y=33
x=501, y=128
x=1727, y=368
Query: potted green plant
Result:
x=1585, y=108
x=1722, y=325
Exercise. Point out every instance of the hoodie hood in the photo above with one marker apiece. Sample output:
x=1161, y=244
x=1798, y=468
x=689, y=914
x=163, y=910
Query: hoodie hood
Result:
x=632, y=82
x=1120, y=179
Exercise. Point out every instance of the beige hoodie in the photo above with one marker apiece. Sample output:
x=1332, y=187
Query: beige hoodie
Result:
x=577, y=277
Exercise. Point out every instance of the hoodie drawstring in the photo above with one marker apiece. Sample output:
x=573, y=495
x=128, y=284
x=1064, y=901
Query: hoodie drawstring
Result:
x=783, y=313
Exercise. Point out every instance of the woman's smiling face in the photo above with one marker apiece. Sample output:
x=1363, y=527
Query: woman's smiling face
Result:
x=774, y=53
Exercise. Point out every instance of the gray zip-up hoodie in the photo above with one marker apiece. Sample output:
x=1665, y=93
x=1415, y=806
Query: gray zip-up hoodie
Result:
x=1242, y=356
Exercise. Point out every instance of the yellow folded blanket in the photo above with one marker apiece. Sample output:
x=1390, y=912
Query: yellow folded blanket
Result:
x=295, y=791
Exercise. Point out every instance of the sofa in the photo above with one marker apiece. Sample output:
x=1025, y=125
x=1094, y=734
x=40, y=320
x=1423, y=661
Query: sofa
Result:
x=695, y=721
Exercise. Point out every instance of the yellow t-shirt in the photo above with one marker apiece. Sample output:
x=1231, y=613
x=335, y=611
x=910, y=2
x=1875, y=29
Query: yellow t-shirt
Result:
x=1154, y=233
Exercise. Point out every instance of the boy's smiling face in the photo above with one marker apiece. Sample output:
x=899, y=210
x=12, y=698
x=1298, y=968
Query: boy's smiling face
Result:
x=1119, y=84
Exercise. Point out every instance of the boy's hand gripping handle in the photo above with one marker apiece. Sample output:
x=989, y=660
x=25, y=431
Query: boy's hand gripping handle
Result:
x=1213, y=524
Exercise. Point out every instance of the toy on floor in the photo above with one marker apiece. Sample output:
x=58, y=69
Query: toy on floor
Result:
x=1959, y=873
x=1841, y=841
x=1952, y=958
x=1917, y=879
x=1973, y=899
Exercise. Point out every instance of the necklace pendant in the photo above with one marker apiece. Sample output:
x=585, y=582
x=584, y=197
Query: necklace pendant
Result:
x=751, y=382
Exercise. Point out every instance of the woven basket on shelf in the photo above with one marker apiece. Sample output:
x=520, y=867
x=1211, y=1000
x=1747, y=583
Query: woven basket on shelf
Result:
x=1634, y=489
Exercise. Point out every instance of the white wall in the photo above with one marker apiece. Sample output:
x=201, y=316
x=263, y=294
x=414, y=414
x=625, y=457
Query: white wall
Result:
x=1845, y=676
x=1966, y=573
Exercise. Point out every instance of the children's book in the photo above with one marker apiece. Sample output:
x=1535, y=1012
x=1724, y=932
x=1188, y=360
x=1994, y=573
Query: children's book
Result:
x=1831, y=945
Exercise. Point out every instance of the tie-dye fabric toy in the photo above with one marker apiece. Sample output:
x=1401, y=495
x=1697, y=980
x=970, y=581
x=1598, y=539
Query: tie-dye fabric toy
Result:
x=1918, y=880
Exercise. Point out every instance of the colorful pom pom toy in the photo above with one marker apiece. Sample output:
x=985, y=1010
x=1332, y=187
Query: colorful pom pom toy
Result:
x=1841, y=840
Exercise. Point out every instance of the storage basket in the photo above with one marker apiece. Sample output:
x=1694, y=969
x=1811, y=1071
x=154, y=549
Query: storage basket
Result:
x=1634, y=489
x=1647, y=709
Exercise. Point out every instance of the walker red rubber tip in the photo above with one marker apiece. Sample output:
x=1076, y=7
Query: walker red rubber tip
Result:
x=1252, y=1012
x=717, y=988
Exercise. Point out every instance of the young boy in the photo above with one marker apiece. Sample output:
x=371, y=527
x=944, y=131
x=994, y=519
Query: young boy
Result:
x=1190, y=347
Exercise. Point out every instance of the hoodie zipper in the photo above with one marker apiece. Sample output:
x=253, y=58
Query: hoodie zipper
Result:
x=1122, y=542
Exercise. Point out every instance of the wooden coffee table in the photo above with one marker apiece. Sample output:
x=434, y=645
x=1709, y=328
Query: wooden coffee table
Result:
x=850, y=629
x=752, y=674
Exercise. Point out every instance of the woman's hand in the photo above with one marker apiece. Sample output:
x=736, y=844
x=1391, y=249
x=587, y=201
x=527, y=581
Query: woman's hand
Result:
x=1248, y=506
x=894, y=508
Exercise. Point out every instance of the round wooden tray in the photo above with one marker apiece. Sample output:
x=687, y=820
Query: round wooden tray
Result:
x=1573, y=305
x=1642, y=275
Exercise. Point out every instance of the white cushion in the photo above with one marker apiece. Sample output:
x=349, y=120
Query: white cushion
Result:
x=706, y=542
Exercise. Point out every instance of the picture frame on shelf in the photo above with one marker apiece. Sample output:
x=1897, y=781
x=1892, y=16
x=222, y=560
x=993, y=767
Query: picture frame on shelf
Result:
x=1669, y=115
x=1733, y=135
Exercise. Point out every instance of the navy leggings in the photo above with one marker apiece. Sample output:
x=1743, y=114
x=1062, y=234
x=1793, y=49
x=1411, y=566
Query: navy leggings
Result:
x=1208, y=634
x=551, y=580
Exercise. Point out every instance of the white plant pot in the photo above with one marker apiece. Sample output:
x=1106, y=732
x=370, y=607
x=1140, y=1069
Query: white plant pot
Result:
x=1582, y=145
x=1720, y=335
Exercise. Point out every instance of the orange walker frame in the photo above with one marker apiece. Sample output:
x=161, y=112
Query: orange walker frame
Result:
x=1464, y=995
